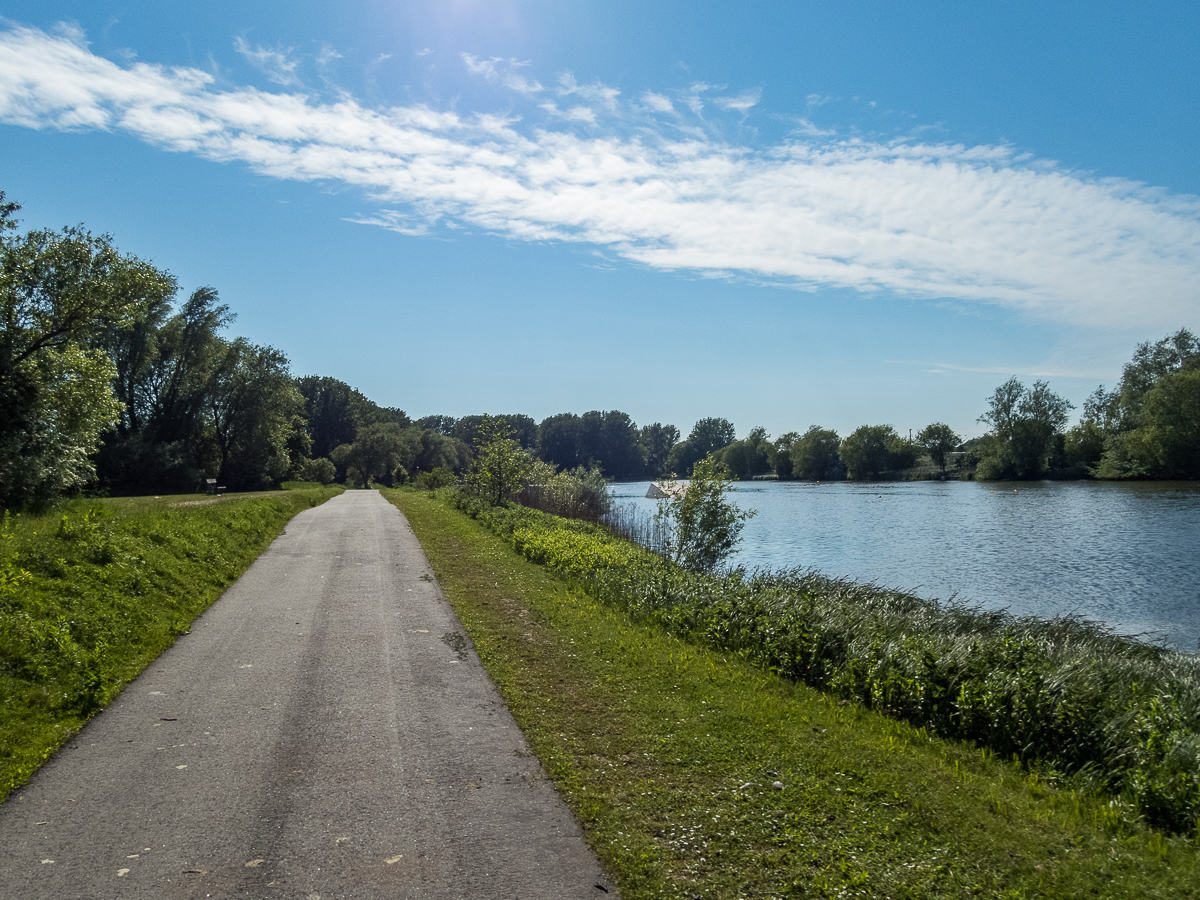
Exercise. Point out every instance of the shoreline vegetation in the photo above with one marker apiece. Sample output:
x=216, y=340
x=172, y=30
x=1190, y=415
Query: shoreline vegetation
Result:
x=662, y=704
x=93, y=592
x=1078, y=703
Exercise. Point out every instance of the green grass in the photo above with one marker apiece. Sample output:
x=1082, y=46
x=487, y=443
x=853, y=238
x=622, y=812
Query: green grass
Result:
x=92, y=591
x=668, y=754
x=1082, y=706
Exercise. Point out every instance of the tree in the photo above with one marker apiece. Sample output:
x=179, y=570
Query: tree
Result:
x=938, y=440
x=815, y=455
x=1150, y=363
x=656, y=442
x=1144, y=423
x=1085, y=442
x=382, y=452
x=558, y=440
x=781, y=454
x=49, y=455
x=327, y=408
x=1026, y=436
x=60, y=292
x=711, y=434
x=321, y=470
x=165, y=377
x=703, y=525
x=524, y=429
x=748, y=457
x=250, y=415
x=708, y=436
x=608, y=440
x=1165, y=439
x=868, y=451
x=440, y=424
x=501, y=466
x=437, y=451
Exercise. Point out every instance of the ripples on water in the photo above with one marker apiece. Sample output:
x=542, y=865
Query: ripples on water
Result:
x=1127, y=554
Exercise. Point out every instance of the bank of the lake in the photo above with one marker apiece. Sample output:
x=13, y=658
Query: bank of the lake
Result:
x=1127, y=554
x=669, y=753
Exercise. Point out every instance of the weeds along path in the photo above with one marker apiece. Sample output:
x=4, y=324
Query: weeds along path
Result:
x=325, y=730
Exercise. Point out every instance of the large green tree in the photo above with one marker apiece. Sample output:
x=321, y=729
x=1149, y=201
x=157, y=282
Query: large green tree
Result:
x=748, y=457
x=559, y=440
x=938, y=440
x=781, y=454
x=815, y=455
x=166, y=367
x=1025, y=441
x=253, y=409
x=1146, y=426
x=329, y=410
x=656, y=442
x=867, y=451
x=60, y=293
x=708, y=435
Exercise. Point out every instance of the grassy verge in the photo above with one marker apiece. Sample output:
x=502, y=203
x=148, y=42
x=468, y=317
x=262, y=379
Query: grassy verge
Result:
x=1081, y=705
x=669, y=754
x=92, y=592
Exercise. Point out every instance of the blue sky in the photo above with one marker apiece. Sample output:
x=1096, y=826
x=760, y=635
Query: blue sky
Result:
x=785, y=214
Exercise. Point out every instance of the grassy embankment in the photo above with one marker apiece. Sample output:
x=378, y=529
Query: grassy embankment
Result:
x=668, y=752
x=93, y=591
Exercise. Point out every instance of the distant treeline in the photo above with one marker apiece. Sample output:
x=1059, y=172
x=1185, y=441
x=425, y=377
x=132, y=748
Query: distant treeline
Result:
x=108, y=380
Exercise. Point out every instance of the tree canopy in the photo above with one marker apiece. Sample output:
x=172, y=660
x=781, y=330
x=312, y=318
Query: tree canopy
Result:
x=60, y=294
x=1025, y=441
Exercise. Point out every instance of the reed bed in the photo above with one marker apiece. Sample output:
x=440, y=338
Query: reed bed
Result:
x=1072, y=700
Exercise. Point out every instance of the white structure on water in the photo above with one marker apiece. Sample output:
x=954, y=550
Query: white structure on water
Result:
x=664, y=490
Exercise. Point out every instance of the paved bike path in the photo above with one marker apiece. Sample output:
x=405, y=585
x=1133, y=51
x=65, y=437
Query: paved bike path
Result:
x=324, y=731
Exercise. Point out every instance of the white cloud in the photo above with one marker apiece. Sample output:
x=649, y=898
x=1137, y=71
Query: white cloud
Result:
x=658, y=102
x=693, y=100
x=979, y=224
x=503, y=72
x=327, y=55
x=594, y=93
x=277, y=65
x=574, y=114
x=741, y=103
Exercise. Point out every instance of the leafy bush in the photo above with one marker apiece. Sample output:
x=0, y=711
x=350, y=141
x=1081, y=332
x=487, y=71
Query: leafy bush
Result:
x=579, y=493
x=321, y=471
x=439, y=478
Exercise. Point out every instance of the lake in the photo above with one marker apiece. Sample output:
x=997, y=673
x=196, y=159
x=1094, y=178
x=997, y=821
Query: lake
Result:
x=1127, y=554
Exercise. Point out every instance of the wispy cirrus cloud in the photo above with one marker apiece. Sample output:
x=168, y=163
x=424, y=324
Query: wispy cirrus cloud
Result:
x=503, y=71
x=934, y=220
x=741, y=103
x=658, y=102
x=278, y=65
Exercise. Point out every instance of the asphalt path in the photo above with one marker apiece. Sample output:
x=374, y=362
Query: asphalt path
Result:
x=325, y=731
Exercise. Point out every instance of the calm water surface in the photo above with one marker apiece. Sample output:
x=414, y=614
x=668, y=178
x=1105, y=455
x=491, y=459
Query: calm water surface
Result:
x=1125, y=554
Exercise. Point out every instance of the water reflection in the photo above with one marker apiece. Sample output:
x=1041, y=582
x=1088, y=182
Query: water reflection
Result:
x=1125, y=554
